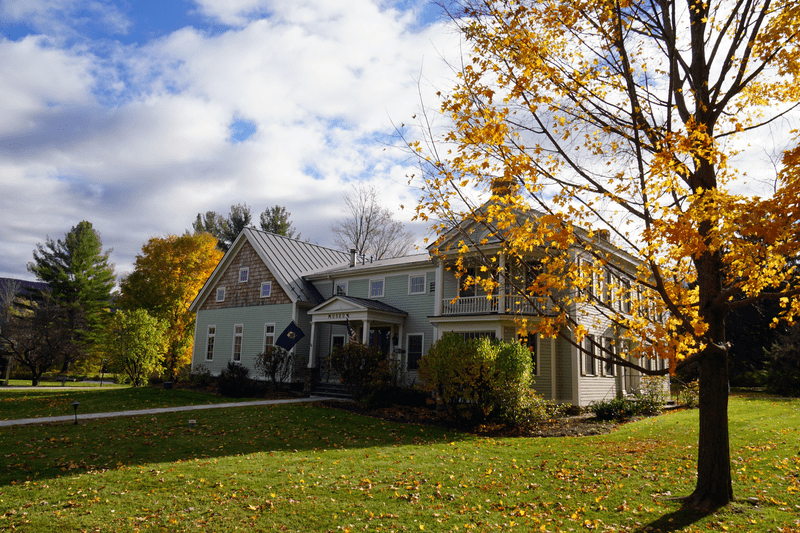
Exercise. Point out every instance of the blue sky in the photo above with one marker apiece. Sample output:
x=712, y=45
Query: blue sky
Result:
x=138, y=115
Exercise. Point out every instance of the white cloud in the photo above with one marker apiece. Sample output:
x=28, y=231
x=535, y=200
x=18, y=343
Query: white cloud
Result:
x=319, y=80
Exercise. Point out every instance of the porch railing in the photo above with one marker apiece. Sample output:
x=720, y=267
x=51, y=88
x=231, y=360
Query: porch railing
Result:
x=474, y=305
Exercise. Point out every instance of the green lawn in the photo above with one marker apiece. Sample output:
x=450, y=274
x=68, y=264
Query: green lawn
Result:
x=95, y=382
x=305, y=468
x=29, y=403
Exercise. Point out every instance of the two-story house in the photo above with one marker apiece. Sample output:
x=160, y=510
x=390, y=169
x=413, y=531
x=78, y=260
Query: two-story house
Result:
x=400, y=305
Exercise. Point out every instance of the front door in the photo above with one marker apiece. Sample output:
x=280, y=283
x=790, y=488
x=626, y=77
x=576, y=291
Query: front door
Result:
x=381, y=339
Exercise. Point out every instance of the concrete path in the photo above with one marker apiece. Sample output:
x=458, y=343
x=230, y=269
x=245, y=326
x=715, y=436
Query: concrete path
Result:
x=156, y=410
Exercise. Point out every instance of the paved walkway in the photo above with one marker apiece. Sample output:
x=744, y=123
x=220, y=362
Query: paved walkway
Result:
x=156, y=410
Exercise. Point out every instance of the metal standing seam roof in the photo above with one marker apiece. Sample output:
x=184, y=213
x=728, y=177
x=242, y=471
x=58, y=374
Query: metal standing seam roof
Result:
x=373, y=304
x=289, y=260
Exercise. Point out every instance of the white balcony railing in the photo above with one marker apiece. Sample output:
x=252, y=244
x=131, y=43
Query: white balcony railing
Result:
x=469, y=305
x=474, y=305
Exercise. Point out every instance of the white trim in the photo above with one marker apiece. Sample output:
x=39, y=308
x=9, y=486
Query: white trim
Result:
x=266, y=325
x=589, y=347
x=383, y=287
x=336, y=336
x=246, y=272
x=241, y=343
x=220, y=291
x=269, y=291
x=537, y=350
x=424, y=284
x=210, y=335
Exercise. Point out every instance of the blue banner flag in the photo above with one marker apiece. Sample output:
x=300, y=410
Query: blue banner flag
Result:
x=290, y=336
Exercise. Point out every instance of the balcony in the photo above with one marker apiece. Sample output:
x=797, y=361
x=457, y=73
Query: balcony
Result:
x=481, y=305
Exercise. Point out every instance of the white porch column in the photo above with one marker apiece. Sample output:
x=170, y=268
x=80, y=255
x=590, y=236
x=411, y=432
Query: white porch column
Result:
x=501, y=272
x=438, y=292
x=312, y=356
x=365, y=333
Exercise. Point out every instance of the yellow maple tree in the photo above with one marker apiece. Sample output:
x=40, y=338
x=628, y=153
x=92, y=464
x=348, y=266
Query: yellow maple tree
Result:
x=627, y=122
x=167, y=277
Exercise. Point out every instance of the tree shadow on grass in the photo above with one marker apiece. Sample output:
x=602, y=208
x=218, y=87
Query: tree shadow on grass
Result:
x=674, y=521
x=50, y=450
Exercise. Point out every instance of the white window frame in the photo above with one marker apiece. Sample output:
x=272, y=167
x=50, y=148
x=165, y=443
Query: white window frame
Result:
x=589, y=347
x=268, y=286
x=383, y=287
x=211, y=334
x=336, y=286
x=337, y=336
x=423, y=287
x=220, y=294
x=244, y=272
x=608, y=370
x=269, y=334
x=421, y=349
x=240, y=337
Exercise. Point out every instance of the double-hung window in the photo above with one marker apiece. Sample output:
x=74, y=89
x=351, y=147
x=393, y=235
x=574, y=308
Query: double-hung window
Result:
x=608, y=366
x=416, y=284
x=588, y=360
x=376, y=288
x=212, y=332
x=238, y=334
x=414, y=345
x=266, y=289
x=269, y=335
x=340, y=289
x=220, y=294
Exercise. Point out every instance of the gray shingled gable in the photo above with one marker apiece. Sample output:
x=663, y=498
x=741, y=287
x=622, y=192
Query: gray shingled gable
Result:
x=287, y=259
x=290, y=260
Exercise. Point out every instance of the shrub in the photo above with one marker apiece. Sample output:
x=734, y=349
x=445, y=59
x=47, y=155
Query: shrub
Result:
x=478, y=379
x=616, y=409
x=652, y=395
x=276, y=364
x=689, y=395
x=234, y=381
x=200, y=377
x=530, y=408
x=365, y=371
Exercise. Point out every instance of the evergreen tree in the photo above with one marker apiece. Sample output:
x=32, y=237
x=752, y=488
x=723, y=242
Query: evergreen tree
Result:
x=80, y=279
x=276, y=220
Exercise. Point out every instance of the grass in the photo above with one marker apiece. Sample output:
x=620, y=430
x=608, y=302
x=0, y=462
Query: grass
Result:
x=304, y=468
x=53, y=383
x=30, y=403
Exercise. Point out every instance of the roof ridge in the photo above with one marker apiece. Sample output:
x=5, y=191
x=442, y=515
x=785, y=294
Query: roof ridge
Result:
x=292, y=239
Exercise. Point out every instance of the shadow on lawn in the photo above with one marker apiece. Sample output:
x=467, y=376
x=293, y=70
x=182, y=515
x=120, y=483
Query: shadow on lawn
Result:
x=674, y=521
x=54, y=449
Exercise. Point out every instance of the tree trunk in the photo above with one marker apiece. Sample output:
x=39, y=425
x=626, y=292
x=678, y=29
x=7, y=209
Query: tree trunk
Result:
x=714, y=488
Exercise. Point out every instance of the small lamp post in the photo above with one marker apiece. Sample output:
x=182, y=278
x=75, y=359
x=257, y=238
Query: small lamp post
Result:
x=103, y=372
x=75, y=406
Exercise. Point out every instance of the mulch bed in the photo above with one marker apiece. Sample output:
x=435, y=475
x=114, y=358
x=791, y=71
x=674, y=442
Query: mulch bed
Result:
x=569, y=426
